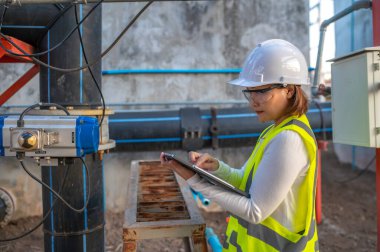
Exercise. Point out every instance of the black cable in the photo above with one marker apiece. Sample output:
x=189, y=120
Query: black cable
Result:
x=43, y=218
x=56, y=194
x=59, y=6
x=83, y=232
x=41, y=104
x=67, y=70
x=53, y=21
x=360, y=173
x=58, y=16
x=20, y=122
x=24, y=54
x=89, y=68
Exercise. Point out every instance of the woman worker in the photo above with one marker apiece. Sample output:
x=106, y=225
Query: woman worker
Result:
x=280, y=174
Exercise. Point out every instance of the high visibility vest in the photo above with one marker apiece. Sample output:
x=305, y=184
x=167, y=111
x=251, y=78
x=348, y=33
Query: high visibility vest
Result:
x=270, y=235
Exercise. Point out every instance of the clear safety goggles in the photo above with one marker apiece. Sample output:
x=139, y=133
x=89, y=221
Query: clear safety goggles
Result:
x=260, y=95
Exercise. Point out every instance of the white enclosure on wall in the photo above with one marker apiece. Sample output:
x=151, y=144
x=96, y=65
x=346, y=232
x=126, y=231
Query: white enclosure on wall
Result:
x=356, y=98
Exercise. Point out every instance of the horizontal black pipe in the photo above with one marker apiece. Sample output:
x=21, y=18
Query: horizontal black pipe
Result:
x=161, y=130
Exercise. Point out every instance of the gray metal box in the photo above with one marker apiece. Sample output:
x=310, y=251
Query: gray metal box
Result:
x=356, y=98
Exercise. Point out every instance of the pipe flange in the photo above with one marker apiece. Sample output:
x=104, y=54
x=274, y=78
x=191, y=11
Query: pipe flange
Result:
x=9, y=203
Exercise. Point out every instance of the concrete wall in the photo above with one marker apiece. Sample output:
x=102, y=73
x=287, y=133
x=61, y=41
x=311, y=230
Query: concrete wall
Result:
x=170, y=35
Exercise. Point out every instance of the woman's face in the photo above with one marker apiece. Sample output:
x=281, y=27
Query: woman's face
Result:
x=270, y=102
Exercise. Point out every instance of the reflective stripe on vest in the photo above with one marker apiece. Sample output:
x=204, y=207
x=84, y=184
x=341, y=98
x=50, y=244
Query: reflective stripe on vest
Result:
x=233, y=241
x=269, y=235
x=272, y=238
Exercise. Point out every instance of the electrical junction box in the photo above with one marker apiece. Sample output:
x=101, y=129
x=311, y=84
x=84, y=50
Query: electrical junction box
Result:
x=356, y=98
x=49, y=136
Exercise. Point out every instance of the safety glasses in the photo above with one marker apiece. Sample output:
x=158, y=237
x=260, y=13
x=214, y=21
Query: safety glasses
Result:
x=259, y=94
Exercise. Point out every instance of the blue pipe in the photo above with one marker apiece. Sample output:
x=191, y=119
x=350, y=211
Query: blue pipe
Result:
x=352, y=23
x=172, y=71
x=213, y=240
x=175, y=71
x=353, y=163
x=204, y=200
x=52, y=211
x=194, y=193
x=24, y=27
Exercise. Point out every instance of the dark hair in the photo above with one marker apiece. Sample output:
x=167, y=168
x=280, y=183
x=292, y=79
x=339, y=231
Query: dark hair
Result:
x=298, y=103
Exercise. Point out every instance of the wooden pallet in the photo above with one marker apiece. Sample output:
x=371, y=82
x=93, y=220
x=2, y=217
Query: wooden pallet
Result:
x=160, y=205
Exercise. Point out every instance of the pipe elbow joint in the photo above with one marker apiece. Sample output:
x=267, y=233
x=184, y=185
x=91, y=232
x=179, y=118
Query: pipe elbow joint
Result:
x=314, y=90
x=7, y=207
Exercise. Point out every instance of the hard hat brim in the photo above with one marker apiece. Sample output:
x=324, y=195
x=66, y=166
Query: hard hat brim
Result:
x=240, y=82
x=246, y=83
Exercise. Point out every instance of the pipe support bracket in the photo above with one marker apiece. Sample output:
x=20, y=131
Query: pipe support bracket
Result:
x=191, y=128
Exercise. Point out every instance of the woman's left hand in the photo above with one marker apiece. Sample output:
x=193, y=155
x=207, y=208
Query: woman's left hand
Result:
x=178, y=168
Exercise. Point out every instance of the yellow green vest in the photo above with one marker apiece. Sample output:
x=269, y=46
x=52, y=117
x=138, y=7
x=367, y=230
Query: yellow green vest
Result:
x=270, y=235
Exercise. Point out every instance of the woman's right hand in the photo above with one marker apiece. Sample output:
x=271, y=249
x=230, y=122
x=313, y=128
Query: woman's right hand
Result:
x=204, y=161
x=175, y=166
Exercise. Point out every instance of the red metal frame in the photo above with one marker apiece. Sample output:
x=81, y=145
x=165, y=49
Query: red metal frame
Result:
x=5, y=57
x=376, y=42
x=19, y=84
x=322, y=146
x=378, y=195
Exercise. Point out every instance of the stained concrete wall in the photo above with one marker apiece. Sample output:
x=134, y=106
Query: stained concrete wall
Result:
x=194, y=35
x=169, y=35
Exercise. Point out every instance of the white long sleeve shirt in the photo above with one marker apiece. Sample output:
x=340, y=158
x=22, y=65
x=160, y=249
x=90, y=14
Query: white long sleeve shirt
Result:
x=275, y=187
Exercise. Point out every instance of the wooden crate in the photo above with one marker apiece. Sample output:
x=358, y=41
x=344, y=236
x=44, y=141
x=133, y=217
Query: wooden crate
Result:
x=160, y=205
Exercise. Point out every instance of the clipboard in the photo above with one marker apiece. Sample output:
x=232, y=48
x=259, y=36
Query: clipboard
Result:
x=210, y=177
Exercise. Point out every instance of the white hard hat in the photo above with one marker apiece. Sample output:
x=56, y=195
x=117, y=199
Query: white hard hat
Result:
x=273, y=61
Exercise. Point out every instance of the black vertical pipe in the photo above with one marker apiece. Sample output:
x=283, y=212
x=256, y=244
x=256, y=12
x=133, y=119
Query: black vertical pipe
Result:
x=66, y=230
x=75, y=88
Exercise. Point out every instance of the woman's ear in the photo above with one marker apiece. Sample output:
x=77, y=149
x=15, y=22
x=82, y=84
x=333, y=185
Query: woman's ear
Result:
x=290, y=90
